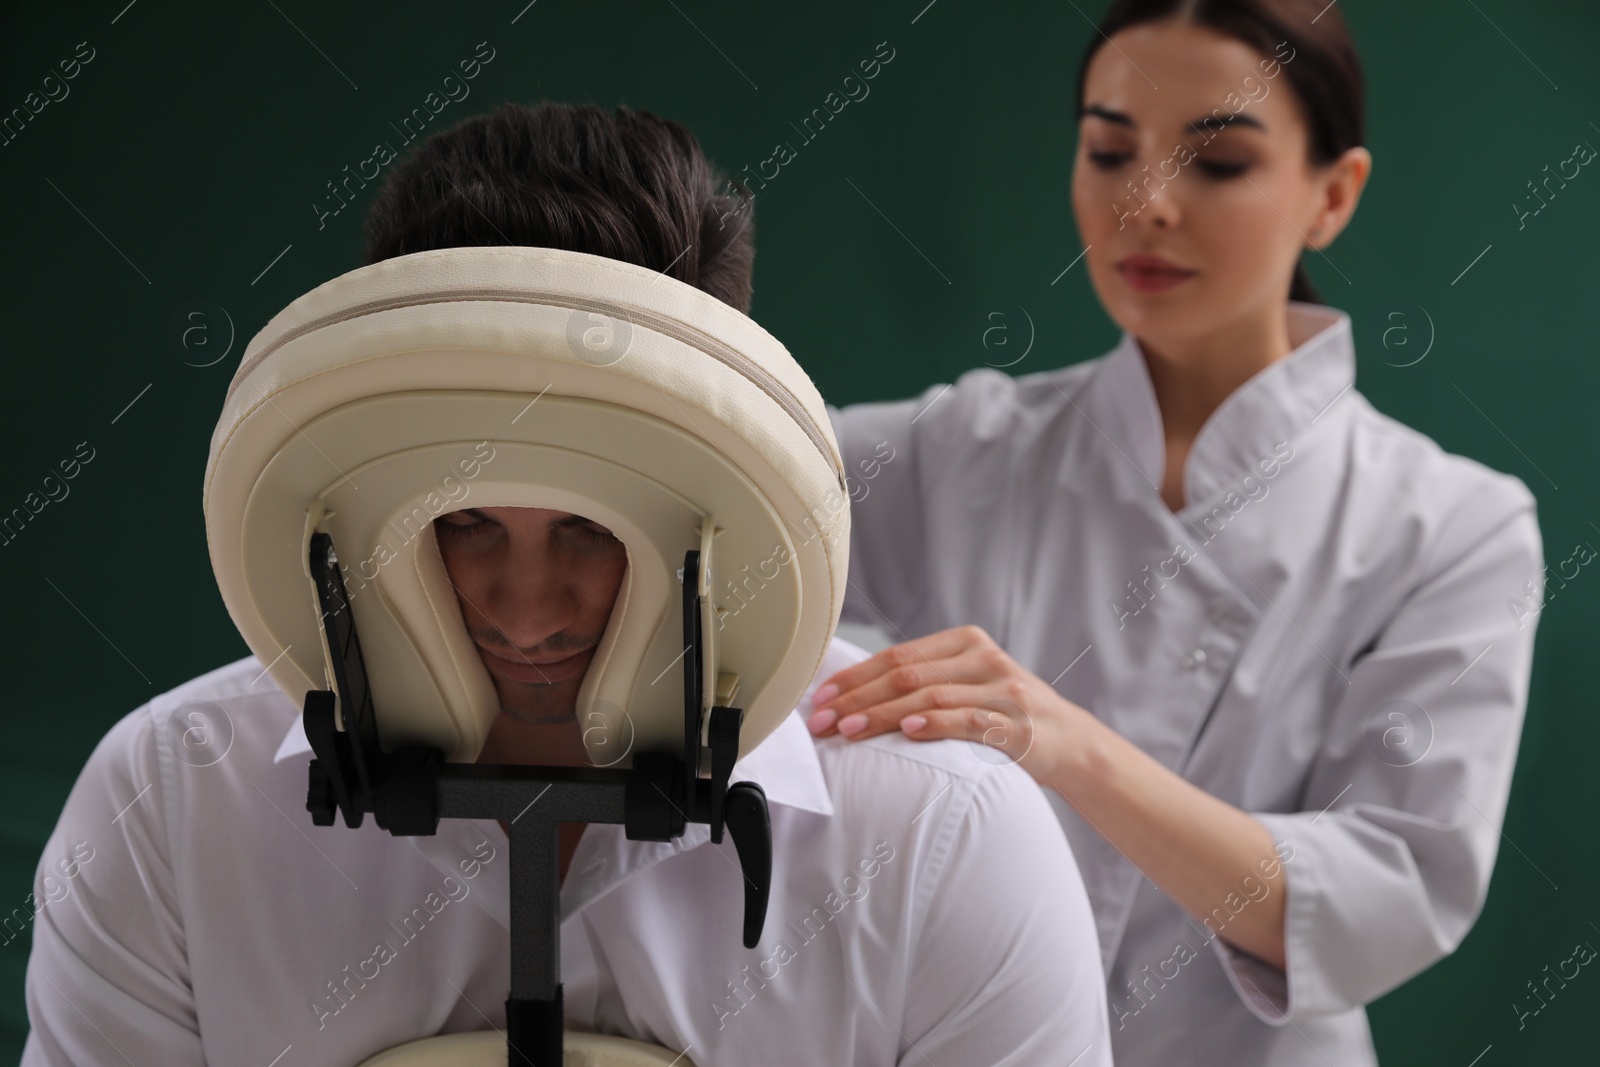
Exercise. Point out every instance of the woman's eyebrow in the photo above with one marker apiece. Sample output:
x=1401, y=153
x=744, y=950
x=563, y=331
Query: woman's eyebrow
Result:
x=1220, y=122
x=1106, y=113
x=1199, y=125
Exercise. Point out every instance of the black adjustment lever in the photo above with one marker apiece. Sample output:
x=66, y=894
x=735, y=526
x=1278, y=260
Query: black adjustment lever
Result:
x=344, y=774
x=333, y=771
x=751, y=827
x=742, y=806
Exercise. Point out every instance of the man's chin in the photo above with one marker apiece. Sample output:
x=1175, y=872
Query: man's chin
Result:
x=540, y=716
x=540, y=705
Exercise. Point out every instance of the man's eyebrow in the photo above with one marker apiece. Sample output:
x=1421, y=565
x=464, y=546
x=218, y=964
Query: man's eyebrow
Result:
x=1199, y=125
x=570, y=520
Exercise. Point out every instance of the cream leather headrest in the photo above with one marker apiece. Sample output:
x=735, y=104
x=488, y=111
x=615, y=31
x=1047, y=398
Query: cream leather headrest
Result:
x=533, y=377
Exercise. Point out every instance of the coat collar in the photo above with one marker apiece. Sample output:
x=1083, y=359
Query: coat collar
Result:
x=1274, y=405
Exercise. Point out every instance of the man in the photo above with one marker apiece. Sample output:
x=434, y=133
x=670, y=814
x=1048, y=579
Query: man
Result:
x=214, y=924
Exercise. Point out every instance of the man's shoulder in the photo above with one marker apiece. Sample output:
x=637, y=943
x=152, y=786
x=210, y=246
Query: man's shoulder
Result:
x=893, y=773
x=195, y=748
x=244, y=678
x=892, y=770
x=231, y=710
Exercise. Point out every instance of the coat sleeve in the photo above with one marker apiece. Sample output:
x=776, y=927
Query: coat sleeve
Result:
x=880, y=444
x=901, y=457
x=1005, y=963
x=108, y=975
x=1388, y=866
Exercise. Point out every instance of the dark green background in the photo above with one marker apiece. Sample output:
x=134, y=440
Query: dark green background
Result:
x=192, y=148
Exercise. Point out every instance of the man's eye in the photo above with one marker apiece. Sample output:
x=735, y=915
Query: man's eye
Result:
x=460, y=528
x=594, y=533
x=1108, y=160
x=585, y=531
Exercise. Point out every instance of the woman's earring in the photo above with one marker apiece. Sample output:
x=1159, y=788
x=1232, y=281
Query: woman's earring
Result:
x=1316, y=232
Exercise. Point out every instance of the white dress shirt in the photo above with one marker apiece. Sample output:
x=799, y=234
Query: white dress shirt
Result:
x=208, y=921
x=1334, y=634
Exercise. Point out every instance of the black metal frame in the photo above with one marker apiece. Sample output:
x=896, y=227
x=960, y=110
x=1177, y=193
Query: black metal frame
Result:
x=410, y=788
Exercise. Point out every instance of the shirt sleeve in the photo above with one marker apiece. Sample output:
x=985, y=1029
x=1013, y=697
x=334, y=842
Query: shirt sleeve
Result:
x=1388, y=867
x=107, y=978
x=894, y=452
x=1005, y=965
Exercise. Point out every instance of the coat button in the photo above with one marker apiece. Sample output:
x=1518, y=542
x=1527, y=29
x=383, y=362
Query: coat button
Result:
x=1194, y=659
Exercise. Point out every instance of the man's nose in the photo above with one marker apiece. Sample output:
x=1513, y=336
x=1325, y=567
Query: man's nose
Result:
x=531, y=598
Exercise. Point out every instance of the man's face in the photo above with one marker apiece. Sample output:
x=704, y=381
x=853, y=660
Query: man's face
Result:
x=536, y=589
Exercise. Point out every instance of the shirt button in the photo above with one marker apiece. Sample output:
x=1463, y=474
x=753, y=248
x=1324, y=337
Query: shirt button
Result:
x=1194, y=659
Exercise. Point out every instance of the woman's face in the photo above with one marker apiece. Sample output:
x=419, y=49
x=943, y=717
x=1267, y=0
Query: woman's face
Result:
x=1230, y=206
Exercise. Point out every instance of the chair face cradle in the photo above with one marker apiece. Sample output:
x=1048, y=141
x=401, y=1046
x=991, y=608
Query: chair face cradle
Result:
x=529, y=377
x=484, y=377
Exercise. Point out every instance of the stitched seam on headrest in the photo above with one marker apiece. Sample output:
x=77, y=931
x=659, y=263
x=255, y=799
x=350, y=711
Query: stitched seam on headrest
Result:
x=660, y=322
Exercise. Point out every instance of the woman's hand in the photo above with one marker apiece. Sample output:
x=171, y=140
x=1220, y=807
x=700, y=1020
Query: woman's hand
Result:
x=959, y=683
x=954, y=683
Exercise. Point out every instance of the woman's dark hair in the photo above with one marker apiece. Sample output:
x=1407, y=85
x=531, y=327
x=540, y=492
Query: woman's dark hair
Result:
x=631, y=186
x=1324, y=70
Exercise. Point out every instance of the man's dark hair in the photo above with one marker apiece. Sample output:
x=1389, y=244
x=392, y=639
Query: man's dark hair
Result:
x=631, y=186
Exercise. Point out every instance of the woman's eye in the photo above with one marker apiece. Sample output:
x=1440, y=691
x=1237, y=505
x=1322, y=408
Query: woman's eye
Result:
x=1108, y=160
x=1217, y=169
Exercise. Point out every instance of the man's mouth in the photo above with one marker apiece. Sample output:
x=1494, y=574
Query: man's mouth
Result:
x=549, y=670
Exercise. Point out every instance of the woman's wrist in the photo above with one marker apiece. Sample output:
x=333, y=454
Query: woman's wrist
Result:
x=1185, y=840
x=1087, y=762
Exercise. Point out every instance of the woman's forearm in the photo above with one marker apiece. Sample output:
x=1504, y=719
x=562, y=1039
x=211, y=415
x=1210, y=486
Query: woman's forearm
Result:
x=1202, y=852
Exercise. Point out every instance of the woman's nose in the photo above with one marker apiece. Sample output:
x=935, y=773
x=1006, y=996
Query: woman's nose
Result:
x=1161, y=208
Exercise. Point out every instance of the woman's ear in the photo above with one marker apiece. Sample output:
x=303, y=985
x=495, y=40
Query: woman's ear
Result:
x=1341, y=183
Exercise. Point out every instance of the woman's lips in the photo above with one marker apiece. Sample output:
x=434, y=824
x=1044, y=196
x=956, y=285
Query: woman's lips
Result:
x=521, y=671
x=1152, y=274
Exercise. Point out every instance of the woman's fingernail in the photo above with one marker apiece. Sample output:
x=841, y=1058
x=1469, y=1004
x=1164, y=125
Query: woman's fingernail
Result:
x=851, y=725
x=912, y=723
x=824, y=694
x=821, y=720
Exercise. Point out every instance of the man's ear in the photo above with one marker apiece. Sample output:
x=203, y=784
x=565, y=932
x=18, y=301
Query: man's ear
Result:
x=1342, y=182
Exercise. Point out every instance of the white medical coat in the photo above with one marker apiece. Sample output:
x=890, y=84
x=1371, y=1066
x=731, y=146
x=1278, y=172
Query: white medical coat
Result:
x=1333, y=634
x=207, y=921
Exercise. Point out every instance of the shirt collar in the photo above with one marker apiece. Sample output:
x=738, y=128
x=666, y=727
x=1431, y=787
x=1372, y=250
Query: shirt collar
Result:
x=785, y=764
x=1275, y=404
